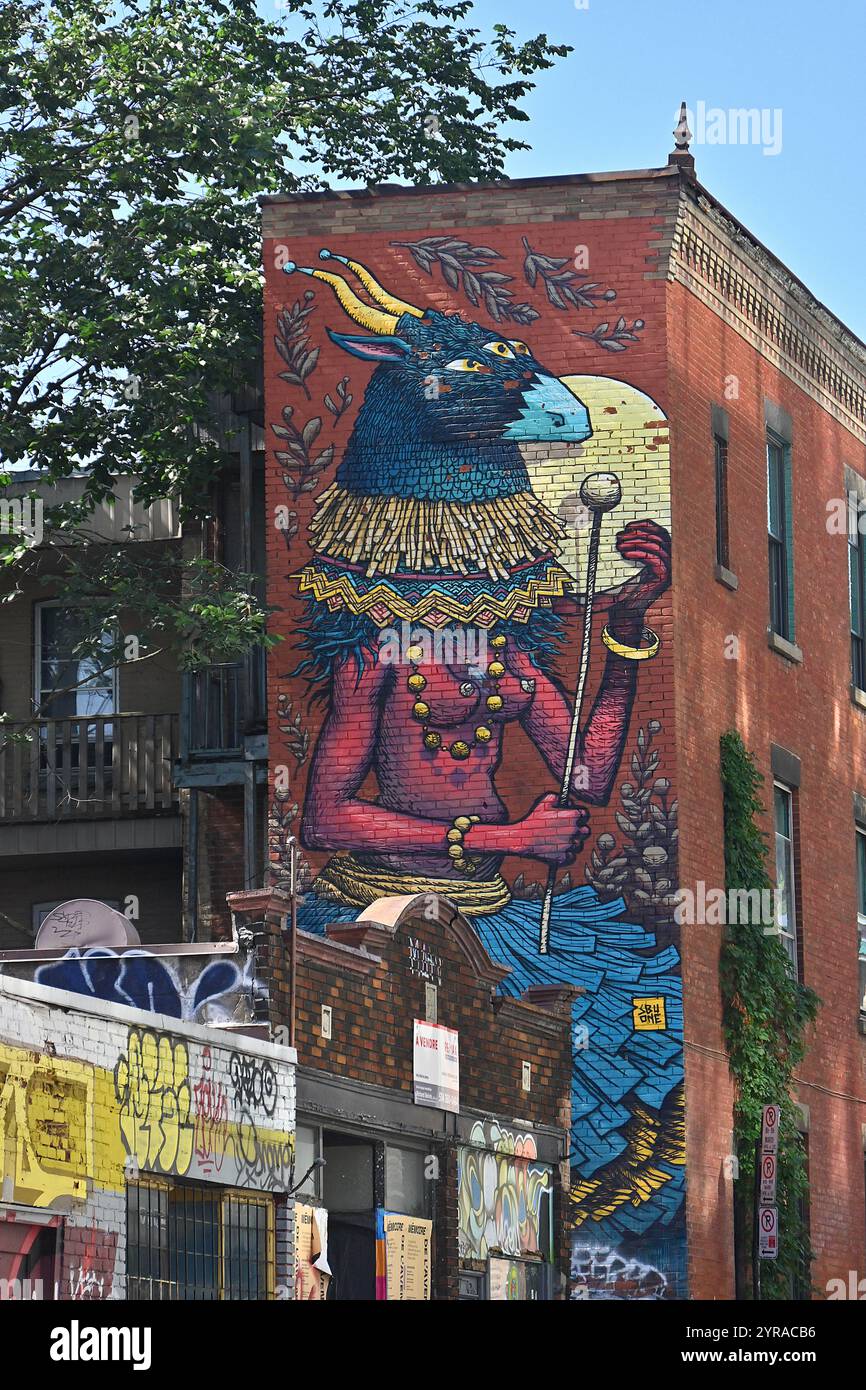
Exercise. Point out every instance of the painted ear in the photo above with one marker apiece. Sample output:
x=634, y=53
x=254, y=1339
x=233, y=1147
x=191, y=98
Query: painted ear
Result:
x=381, y=348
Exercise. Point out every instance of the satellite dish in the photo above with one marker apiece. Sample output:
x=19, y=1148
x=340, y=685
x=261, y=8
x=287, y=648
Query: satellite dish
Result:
x=85, y=922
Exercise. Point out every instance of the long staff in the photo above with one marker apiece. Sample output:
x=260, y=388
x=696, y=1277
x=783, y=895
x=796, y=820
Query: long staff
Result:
x=599, y=493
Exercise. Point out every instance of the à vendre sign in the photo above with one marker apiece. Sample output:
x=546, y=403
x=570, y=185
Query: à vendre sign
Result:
x=436, y=1066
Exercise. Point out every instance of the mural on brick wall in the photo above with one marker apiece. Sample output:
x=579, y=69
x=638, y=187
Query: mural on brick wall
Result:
x=504, y=1194
x=440, y=542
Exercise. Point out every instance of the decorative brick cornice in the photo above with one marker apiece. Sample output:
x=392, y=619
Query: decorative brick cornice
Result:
x=319, y=950
x=532, y=1018
x=556, y=999
x=748, y=290
x=362, y=935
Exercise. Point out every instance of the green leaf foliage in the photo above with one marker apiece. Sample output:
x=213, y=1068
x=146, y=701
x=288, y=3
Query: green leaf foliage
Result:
x=766, y=1015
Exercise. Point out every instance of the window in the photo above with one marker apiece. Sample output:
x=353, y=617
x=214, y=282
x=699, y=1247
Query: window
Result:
x=720, y=447
x=348, y=1174
x=779, y=537
x=857, y=599
x=198, y=1243
x=786, y=913
x=407, y=1189
x=861, y=914
x=67, y=683
x=307, y=1149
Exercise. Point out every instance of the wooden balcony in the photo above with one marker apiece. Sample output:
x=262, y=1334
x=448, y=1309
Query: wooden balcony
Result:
x=89, y=768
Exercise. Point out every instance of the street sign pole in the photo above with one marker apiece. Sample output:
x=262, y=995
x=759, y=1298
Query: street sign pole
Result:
x=756, y=1218
x=765, y=1242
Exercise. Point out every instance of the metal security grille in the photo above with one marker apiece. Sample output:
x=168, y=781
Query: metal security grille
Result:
x=189, y=1243
x=247, y=1246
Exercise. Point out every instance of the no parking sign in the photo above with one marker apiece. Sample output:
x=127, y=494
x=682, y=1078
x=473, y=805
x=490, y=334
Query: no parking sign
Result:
x=768, y=1233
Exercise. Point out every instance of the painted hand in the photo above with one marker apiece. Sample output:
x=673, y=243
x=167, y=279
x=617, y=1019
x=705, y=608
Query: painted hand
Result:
x=550, y=833
x=647, y=544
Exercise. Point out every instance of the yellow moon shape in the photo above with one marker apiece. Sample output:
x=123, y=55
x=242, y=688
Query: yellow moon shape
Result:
x=629, y=438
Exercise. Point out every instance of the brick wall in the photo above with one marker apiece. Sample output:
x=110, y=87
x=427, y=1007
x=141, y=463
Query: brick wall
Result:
x=373, y=975
x=804, y=707
x=612, y=235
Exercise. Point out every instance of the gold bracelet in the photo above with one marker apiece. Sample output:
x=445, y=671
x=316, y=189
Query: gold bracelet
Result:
x=632, y=653
x=456, y=849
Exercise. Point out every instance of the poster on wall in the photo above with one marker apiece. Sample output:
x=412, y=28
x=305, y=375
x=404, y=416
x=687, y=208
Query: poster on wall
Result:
x=311, y=1280
x=518, y=1281
x=436, y=1066
x=407, y=1257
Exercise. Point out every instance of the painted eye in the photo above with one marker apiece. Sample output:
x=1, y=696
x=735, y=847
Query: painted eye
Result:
x=521, y=350
x=466, y=364
x=499, y=348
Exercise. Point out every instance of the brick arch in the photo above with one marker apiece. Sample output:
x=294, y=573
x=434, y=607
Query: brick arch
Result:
x=403, y=912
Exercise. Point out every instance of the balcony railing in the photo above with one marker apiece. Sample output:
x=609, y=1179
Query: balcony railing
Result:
x=221, y=705
x=93, y=767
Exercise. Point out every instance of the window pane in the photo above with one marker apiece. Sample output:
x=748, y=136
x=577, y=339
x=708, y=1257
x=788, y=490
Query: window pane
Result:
x=348, y=1175
x=70, y=683
x=861, y=874
x=721, y=463
x=855, y=591
x=405, y=1186
x=785, y=903
x=775, y=491
x=306, y=1152
x=245, y=1237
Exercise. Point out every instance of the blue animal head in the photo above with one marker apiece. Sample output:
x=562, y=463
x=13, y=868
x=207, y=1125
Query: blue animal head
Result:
x=444, y=413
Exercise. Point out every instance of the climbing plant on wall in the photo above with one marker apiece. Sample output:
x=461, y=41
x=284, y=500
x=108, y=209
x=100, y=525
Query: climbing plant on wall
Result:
x=766, y=1014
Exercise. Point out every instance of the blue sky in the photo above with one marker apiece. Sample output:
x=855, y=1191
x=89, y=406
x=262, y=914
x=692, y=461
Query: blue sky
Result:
x=612, y=105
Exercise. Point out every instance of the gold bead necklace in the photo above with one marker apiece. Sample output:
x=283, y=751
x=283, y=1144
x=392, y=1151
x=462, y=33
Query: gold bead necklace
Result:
x=416, y=684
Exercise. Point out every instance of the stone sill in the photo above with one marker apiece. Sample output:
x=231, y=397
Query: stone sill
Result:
x=726, y=577
x=789, y=650
x=858, y=697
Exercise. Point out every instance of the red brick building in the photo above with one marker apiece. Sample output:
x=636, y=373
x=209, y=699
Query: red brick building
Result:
x=422, y=480
x=482, y=1175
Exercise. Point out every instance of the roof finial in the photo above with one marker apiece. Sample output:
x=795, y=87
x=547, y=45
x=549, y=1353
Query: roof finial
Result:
x=682, y=136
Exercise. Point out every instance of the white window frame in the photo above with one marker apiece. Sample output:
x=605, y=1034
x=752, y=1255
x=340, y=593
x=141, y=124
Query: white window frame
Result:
x=37, y=662
x=787, y=935
x=860, y=833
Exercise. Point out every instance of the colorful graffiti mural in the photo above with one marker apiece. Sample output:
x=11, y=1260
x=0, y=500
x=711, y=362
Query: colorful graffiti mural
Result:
x=455, y=522
x=47, y=1147
x=188, y=988
x=92, y=1103
x=177, y=1117
x=504, y=1195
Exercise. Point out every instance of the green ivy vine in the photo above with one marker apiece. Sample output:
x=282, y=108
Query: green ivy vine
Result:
x=766, y=1013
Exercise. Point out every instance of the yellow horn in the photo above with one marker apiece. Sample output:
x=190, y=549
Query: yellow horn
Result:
x=364, y=314
x=373, y=288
